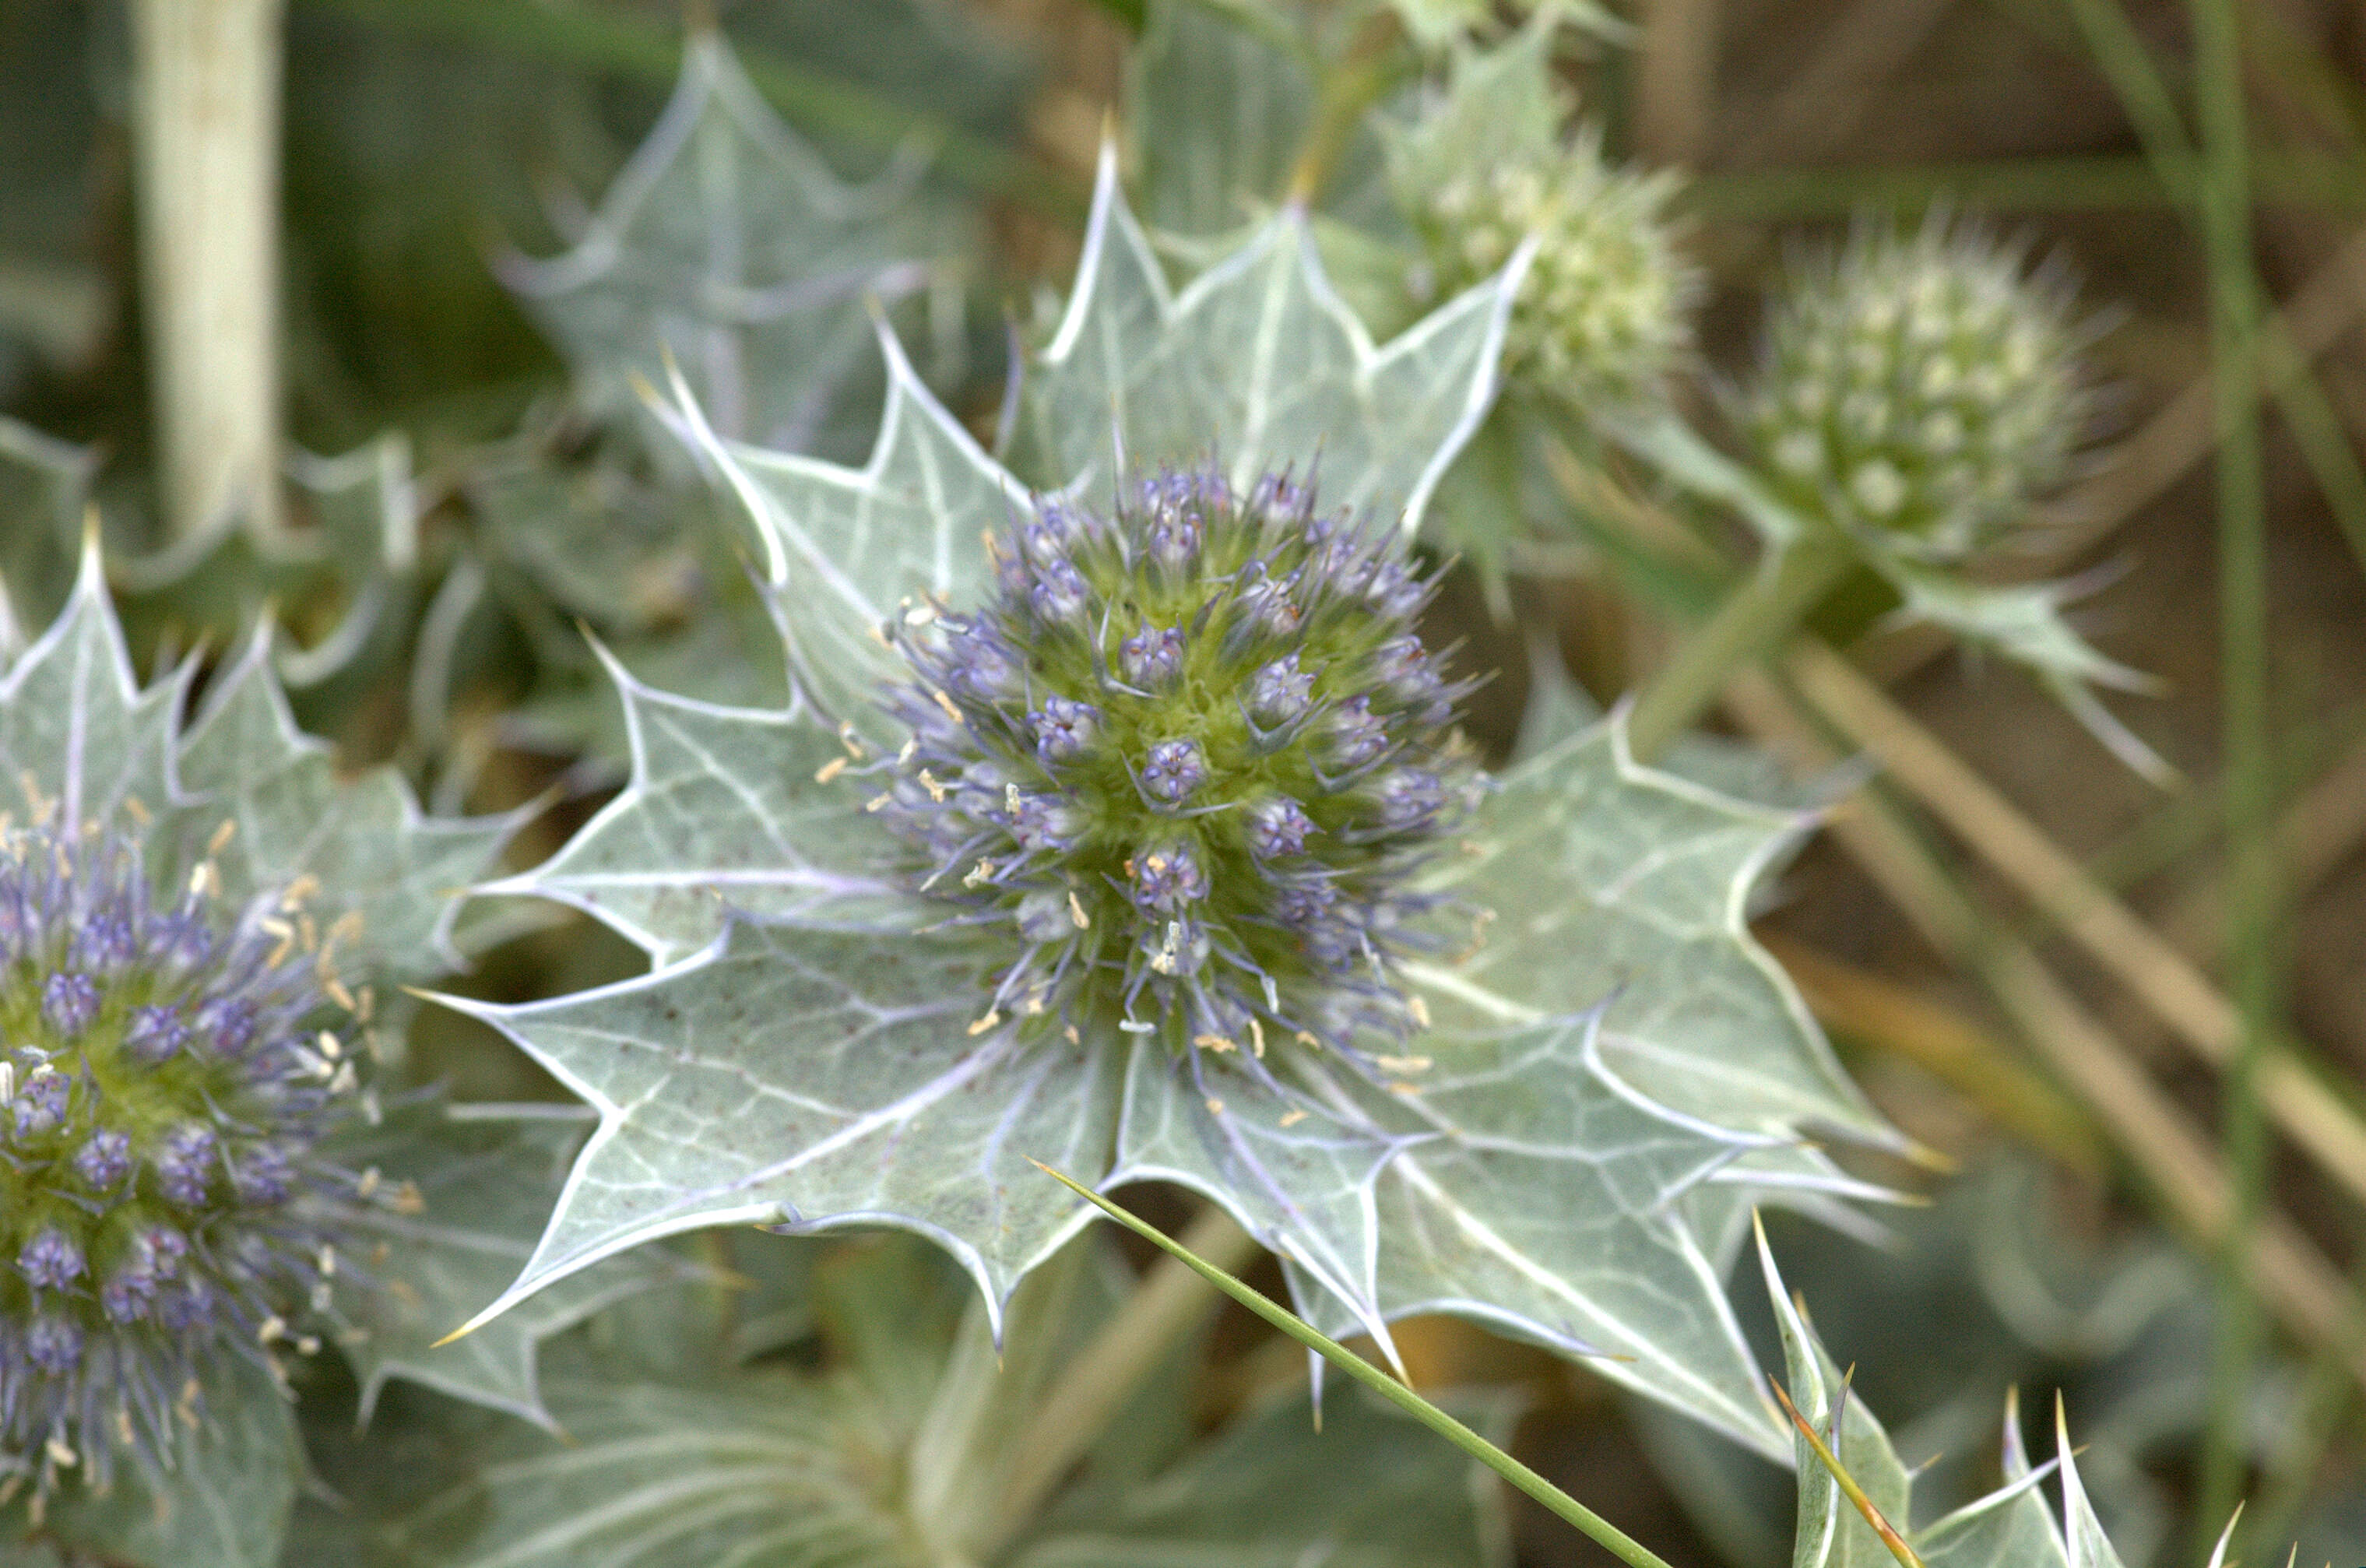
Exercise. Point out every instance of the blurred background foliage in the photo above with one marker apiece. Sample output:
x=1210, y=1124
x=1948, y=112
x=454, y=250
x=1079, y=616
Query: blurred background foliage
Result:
x=451, y=167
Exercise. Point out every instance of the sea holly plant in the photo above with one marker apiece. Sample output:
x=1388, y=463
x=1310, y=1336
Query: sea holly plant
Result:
x=1917, y=398
x=211, y=1171
x=1121, y=823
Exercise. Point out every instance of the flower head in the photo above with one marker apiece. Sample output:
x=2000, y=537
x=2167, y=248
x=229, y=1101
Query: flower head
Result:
x=1919, y=392
x=1225, y=750
x=159, y=1198
x=1605, y=310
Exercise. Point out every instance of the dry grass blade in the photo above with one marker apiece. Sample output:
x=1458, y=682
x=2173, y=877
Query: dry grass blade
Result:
x=1905, y=1023
x=2320, y=831
x=2304, y=1292
x=2156, y=972
x=1823, y=103
x=1677, y=81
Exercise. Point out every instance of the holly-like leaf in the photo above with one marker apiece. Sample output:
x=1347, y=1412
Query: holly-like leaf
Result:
x=1830, y=1532
x=2024, y=624
x=2010, y=1527
x=1501, y=106
x=1202, y=173
x=364, y=842
x=730, y=245
x=846, y=549
x=1505, y=1176
x=225, y=1505
x=1652, y=876
x=813, y=1077
x=481, y=1182
x=1259, y=364
x=722, y=812
x=78, y=733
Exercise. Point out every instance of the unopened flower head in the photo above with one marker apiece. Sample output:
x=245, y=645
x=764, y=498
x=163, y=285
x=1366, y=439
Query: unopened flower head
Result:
x=1605, y=310
x=1921, y=392
x=166, y=1081
x=1182, y=766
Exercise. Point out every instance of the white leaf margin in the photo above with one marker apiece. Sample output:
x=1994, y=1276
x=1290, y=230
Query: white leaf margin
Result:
x=1111, y=215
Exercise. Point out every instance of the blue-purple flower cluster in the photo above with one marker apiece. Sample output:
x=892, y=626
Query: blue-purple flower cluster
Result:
x=168, y=1069
x=1184, y=762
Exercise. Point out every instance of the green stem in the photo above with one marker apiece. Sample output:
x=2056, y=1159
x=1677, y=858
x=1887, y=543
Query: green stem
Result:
x=1596, y=1527
x=1753, y=618
x=2242, y=600
x=1094, y=1386
x=953, y=1473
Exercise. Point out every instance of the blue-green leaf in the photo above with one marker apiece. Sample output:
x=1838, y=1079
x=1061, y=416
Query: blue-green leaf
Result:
x=1257, y=364
x=729, y=246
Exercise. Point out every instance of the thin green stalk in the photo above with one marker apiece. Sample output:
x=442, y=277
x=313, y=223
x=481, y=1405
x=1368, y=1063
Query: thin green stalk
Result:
x=2225, y=217
x=610, y=40
x=1594, y=1527
x=1757, y=616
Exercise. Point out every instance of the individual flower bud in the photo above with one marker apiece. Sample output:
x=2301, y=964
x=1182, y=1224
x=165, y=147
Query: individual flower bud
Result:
x=70, y=1003
x=1152, y=657
x=185, y=1164
x=1063, y=728
x=1045, y=824
x=1279, y=827
x=105, y=1160
x=51, y=1261
x=1357, y=737
x=1169, y=878
x=1919, y=392
x=1059, y=593
x=1173, y=769
x=1604, y=311
x=1281, y=692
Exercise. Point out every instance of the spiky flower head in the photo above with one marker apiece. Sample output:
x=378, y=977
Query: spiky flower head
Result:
x=1606, y=308
x=165, y=1084
x=1182, y=764
x=1921, y=391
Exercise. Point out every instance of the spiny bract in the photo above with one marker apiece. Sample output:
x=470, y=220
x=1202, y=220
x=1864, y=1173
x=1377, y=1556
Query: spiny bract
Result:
x=1184, y=761
x=1920, y=391
x=1605, y=310
x=165, y=1082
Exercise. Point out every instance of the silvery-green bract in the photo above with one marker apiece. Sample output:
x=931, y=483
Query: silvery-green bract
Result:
x=1536, y=1032
x=208, y=1166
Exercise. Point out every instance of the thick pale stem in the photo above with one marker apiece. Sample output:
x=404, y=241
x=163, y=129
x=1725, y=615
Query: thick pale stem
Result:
x=1170, y=1300
x=208, y=124
x=1759, y=615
